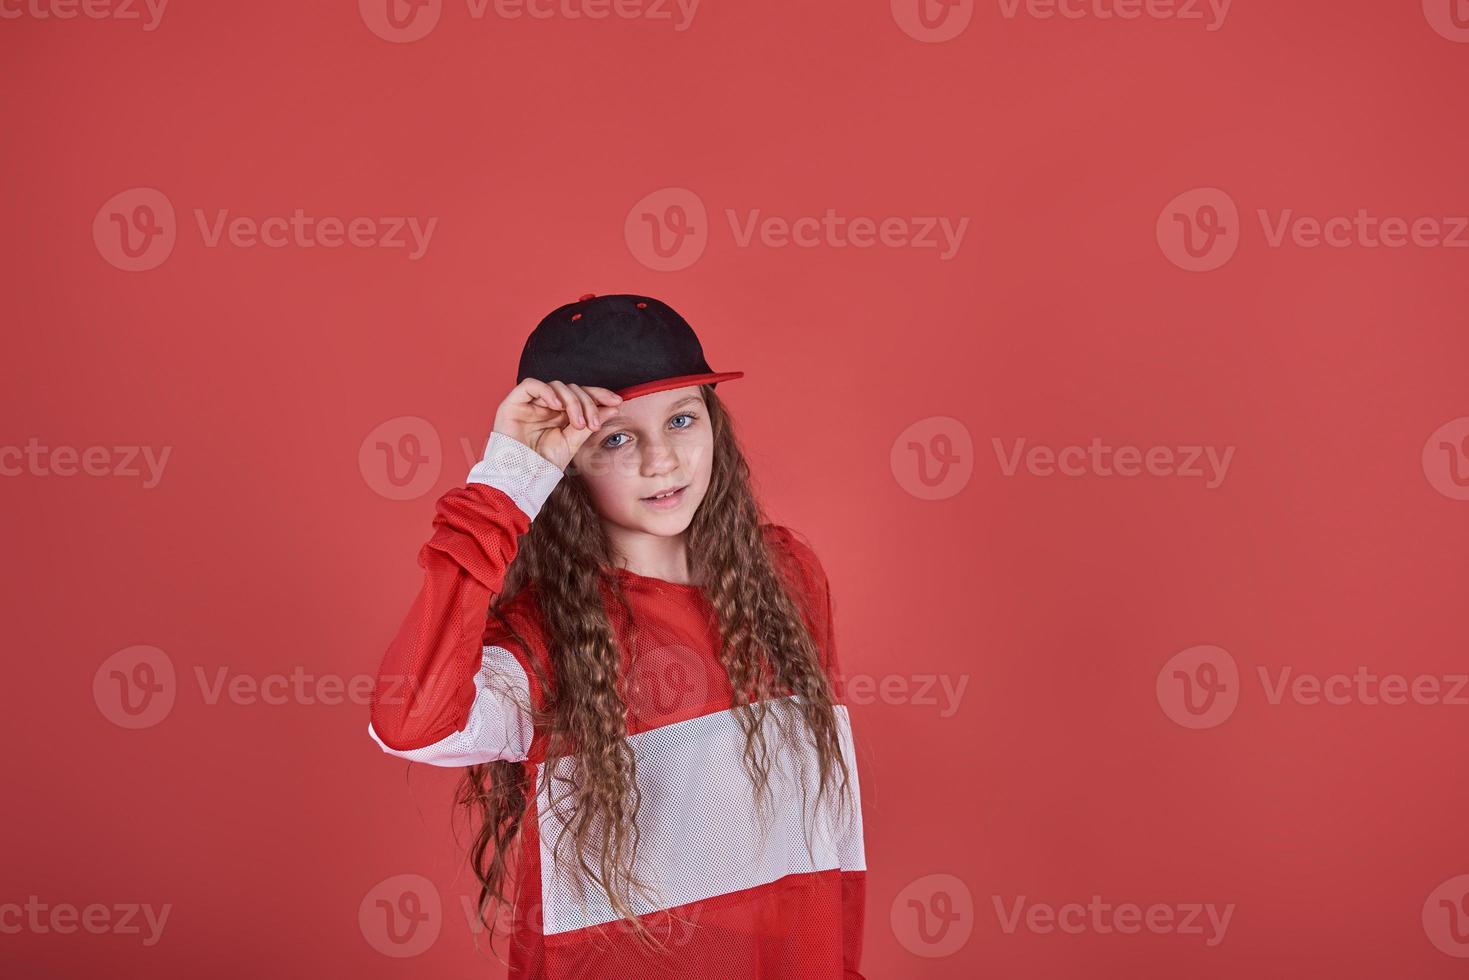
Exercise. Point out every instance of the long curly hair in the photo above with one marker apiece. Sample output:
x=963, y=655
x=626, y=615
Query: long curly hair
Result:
x=766, y=650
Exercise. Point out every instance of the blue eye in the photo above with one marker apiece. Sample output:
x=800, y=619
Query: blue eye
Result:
x=607, y=443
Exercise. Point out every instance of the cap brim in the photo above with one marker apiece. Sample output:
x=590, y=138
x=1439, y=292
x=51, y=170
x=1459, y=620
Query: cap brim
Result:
x=682, y=381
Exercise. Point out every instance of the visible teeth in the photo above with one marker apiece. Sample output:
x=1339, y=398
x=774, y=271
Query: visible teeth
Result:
x=662, y=495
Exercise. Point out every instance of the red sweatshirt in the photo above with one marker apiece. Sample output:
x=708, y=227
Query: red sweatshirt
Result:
x=732, y=902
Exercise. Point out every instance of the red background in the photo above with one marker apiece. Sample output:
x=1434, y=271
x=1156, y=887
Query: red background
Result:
x=265, y=549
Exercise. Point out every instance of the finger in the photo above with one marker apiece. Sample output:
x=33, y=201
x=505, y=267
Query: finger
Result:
x=575, y=438
x=604, y=395
x=539, y=391
x=570, y=403
x=589, y=407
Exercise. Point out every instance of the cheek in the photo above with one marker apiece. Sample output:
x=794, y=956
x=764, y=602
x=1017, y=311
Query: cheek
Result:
x=698, y=459
x=612, y=480
x=608, y=489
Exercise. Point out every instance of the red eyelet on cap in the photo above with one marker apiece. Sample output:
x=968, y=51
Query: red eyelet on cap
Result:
x=586, y=296
x=642, y=306
x=576, y=316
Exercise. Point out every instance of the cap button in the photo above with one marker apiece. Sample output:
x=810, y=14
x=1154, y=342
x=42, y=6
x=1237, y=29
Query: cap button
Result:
x=586, y=296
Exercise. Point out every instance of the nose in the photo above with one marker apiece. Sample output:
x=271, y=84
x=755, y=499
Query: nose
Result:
x=658, y=459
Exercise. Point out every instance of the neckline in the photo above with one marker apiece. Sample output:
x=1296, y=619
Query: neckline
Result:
x=628, y=574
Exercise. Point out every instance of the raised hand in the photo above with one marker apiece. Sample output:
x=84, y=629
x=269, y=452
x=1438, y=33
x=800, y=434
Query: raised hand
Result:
x=554, y=418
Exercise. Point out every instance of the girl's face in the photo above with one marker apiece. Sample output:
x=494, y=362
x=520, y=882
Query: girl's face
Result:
x=646, y=445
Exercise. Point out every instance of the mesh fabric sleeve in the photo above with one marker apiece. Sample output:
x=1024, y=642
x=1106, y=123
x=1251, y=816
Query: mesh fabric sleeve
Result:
x=441, y=695
x=854, y=880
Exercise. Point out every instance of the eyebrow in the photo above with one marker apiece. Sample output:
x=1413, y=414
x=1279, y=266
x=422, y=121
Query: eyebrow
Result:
x=680, y=402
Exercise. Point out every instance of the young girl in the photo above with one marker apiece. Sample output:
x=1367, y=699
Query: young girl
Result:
x=637, y=673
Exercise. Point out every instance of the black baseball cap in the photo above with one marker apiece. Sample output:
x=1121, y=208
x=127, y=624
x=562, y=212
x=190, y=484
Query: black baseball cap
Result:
x=632, y=345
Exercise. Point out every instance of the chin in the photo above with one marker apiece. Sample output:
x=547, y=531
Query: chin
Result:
x=669, y=525
x=665, y=530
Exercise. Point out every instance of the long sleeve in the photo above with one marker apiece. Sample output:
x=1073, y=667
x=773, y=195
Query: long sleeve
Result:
x=441, y=695
x=854, y=878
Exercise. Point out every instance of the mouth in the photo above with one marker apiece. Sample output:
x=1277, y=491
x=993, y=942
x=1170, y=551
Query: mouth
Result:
x=668, y=499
